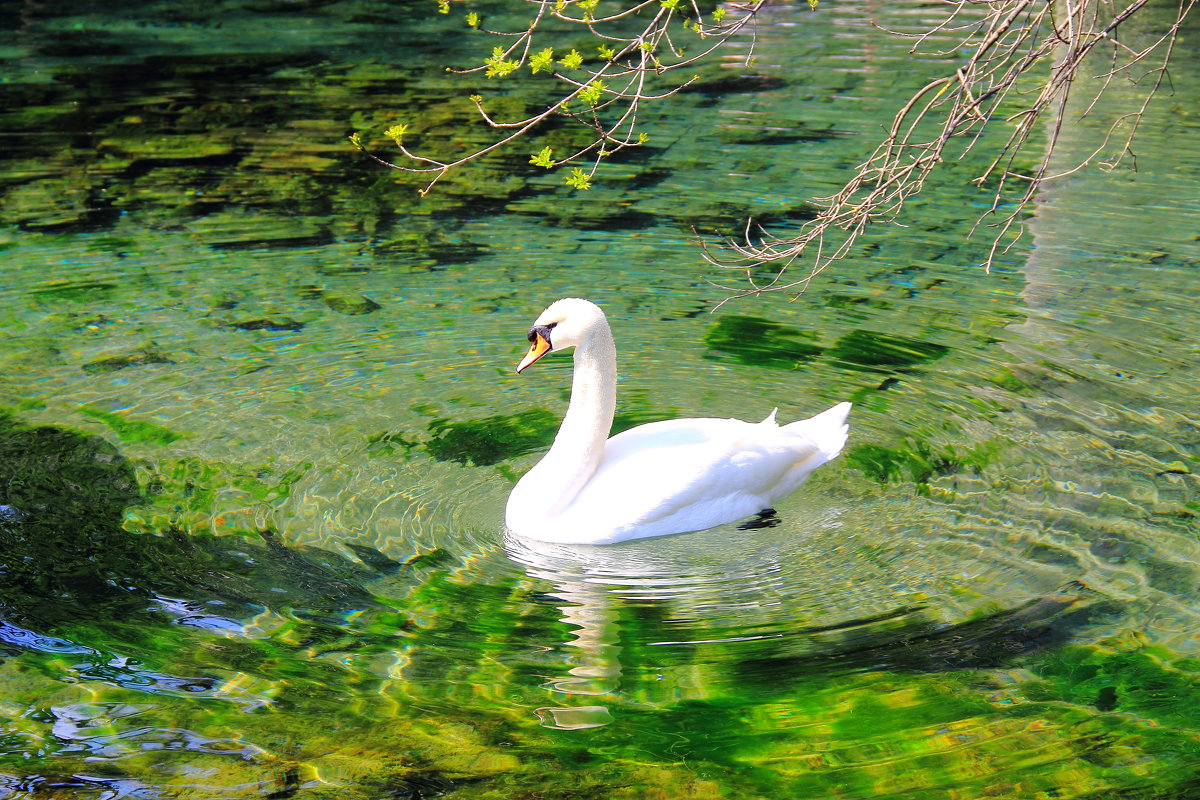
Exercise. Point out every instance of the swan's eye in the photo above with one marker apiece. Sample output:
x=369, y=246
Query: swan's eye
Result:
x=544, y=330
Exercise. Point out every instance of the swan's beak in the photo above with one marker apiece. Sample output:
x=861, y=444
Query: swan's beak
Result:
x=539, y=348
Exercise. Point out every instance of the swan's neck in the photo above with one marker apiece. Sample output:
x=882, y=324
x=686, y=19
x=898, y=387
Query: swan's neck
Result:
x=579, y=446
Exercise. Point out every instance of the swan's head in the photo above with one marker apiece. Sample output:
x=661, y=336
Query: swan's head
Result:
x=566, y=323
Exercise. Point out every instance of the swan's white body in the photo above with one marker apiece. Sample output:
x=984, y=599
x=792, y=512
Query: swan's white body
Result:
x=656, y=479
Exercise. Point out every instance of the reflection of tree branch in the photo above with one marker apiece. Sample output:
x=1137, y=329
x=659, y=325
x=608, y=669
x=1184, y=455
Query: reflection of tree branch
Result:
x=1012, y=38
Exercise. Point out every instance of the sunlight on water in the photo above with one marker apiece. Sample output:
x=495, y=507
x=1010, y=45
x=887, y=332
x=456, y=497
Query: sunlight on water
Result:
x=258, y=421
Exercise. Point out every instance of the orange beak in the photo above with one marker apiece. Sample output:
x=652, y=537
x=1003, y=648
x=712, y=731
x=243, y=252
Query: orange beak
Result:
x=539, y=348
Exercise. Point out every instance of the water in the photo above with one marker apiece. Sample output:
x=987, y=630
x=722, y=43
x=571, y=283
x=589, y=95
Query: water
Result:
x=261, y=422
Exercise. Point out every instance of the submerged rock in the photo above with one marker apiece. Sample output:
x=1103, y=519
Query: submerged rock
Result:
x=427, y=250
x=137, y=358
x=758, y=131
x=279, y=324
x=351, y=304
x=717, y=79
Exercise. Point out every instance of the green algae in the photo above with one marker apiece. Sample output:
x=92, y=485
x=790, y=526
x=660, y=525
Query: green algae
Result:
x=194, y=495
x=883, y=352
x=758, y=342
x=917, y=460
x=75, y=291
x=130, y=429
x=304, y=702
x=1138, y=682
x=489, y=440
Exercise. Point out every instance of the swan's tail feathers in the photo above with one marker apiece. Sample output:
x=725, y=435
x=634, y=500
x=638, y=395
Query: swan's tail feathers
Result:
x=828, y=430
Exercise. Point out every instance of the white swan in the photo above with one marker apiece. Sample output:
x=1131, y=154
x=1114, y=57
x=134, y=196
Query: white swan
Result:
x=660, y=478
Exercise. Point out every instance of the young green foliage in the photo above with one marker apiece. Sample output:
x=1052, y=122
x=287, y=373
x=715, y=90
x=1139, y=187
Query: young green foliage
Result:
x=572, y=60
x=578, y=179
x=543, y=60
x=498, y=66
x=543, y=158
x=592, y=93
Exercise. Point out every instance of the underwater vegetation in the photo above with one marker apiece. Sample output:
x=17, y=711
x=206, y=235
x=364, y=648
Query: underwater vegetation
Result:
x=285, y=669
x=197, y=250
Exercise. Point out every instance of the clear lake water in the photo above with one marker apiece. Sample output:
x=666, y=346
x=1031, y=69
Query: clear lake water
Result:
x=258, y=421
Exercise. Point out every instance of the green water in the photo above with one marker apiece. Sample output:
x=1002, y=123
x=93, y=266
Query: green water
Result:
x=259, y=423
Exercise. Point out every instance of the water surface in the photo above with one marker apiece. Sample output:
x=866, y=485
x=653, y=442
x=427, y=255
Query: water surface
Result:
x=260, y=423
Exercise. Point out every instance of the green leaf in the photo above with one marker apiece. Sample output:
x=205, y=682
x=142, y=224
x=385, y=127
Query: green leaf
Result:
x=813, y=4
x=498, y=65
x=443, y=6
x=572, y=60
x=396, y=132
x=542, y=61
x=718, y=15
x=542, y=158
x=473, y=20
x=669, y=3
x=356, y=140
x=606, y=52
x=578, y=179
x=592, y=93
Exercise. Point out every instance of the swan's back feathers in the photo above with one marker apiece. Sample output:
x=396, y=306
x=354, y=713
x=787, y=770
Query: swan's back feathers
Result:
x=689, y=474
x=828, y=430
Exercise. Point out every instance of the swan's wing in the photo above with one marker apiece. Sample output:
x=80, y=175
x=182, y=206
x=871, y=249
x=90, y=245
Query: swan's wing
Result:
x=689, y=474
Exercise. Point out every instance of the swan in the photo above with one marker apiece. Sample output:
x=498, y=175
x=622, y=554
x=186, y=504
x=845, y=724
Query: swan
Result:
x=659, y=478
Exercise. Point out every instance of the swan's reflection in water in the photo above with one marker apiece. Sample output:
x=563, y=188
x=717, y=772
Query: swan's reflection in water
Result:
x=589, y=609
x=754, y=609
x=702, y=585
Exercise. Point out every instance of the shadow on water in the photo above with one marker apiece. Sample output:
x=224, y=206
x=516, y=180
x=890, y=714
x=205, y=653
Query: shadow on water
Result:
x=65, y=557
x=920, y=645
x=73, y=576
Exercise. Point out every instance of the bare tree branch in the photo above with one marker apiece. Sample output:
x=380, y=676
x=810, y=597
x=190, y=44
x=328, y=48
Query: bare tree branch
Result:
x=1009, y=40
